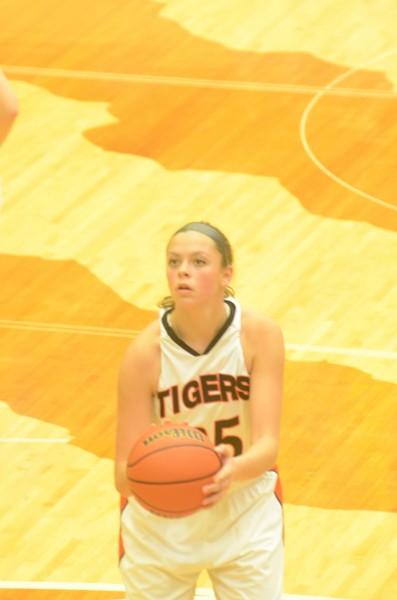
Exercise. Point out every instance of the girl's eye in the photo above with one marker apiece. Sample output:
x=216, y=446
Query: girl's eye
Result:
x=173, y=262
x=199, y=262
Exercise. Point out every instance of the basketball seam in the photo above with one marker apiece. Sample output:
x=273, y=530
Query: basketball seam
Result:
x=133, y=464
x=173, y=482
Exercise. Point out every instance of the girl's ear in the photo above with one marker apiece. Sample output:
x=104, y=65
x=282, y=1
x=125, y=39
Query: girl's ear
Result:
x=227, y=275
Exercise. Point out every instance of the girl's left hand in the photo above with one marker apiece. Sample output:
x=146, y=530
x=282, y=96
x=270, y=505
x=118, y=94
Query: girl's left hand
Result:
x=214, y=491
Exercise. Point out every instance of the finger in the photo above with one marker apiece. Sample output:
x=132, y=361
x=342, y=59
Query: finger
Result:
x=224, y=451
x=211, y=500
x=216, y=486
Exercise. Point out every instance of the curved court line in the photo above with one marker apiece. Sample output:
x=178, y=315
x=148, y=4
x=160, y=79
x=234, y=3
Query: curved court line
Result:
x=310, y=153
x=320, y=92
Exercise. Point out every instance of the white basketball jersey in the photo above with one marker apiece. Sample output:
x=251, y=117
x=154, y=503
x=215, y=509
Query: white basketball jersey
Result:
x=210, y=390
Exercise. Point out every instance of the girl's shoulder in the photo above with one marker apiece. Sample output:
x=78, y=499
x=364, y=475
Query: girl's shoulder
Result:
x=150, y=333
x=259, y=333
x=147, y=341
x=143, y=353
x=255, y=323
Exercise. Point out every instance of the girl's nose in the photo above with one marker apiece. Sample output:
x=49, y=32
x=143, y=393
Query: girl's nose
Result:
x=183, y=268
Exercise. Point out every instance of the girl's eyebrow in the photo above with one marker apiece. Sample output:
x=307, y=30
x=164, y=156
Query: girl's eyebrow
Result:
x=202, y=252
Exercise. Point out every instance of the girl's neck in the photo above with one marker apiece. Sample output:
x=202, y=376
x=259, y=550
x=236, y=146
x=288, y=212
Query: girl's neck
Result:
x=198, y=328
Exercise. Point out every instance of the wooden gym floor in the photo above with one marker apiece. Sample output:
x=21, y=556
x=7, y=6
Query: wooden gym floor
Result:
x=275, y=121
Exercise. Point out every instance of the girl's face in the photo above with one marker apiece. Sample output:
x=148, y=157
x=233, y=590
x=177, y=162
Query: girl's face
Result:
x=194, y=268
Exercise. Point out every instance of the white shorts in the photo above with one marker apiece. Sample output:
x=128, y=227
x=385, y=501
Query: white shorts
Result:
x=238, y=541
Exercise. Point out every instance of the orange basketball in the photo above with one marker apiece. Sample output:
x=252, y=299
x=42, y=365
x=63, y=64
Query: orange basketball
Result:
x=168, y=466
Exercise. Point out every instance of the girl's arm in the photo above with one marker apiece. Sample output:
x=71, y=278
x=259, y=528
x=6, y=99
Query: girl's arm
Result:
x=265, y=342
x=134, y=410
x=8, y=107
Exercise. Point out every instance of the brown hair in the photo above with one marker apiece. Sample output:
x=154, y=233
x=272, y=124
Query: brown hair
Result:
x=222, y=244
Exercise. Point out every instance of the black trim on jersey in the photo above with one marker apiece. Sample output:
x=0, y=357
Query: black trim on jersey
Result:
x=217, y=337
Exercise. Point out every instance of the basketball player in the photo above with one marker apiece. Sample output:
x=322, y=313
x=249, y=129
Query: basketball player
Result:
x=216, y=366
x=8, y=107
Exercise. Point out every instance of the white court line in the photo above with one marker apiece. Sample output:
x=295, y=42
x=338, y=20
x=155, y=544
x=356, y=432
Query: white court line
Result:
x=131, y=333
x=319, y=91
x=310, y=153
x=35, y=440
x=64, y=328
x=55, y=585
x=190, y=82
x=115, y=587
x=382, y=354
